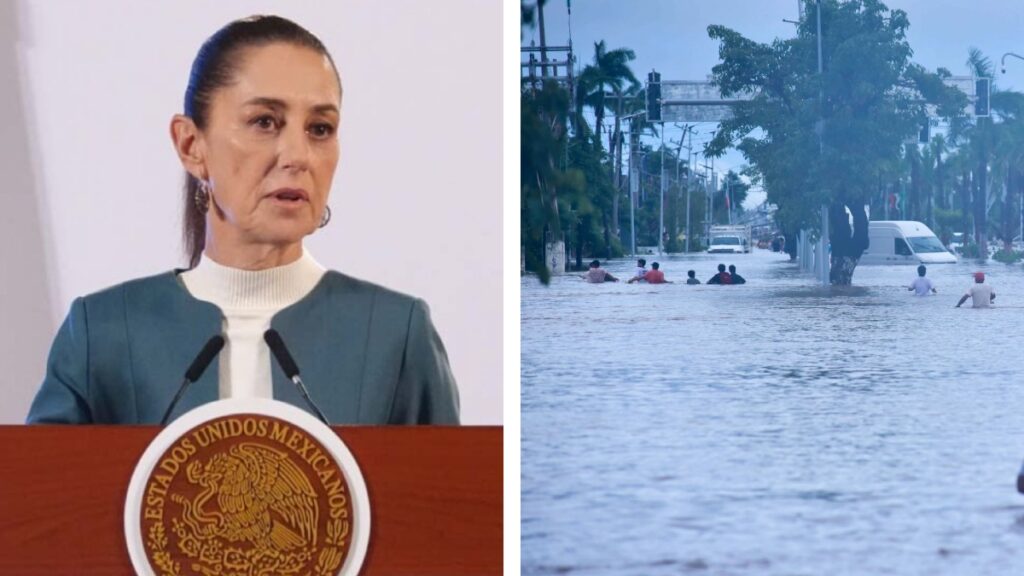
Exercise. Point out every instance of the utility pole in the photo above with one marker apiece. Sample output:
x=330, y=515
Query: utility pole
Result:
x=543, y=43
x=636, y=175
x=679, y=154
x=708, y=208
x=661, y=210
x=689, y=178
x=643, y=189
x=825, y=257
x=714, y=190
x=634, y=179
x=728, y=197
x=689, y=185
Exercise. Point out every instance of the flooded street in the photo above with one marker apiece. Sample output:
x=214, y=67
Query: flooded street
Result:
x=777, y=427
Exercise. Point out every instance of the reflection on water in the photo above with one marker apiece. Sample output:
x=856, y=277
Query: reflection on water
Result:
x=773, y=428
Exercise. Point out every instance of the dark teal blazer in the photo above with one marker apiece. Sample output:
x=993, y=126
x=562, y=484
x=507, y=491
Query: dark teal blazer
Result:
x=368, y=355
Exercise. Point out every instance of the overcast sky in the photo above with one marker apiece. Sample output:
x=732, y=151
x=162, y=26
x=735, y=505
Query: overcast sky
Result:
x=670, y=36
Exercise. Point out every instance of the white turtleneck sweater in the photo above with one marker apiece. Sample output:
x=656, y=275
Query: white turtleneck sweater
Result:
x=249, y=299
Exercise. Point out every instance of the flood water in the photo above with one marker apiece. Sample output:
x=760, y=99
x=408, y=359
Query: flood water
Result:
x=777, y=427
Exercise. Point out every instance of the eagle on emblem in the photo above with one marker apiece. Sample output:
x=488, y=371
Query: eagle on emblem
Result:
x=261, y=497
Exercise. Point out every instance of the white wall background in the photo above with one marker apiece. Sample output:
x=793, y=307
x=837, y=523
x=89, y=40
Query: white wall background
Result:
x=92, y=187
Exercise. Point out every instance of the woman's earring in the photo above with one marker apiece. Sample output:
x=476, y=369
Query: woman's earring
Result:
x=202, y=197
x=327, y=216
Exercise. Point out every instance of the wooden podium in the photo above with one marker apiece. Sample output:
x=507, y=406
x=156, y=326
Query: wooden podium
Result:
x=435, y=497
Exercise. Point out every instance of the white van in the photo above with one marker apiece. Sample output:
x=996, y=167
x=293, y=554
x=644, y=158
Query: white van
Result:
x=904, y=242
x=729, y=239
x=726, y=245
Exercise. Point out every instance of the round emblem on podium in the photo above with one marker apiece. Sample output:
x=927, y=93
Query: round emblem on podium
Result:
x=247, y=486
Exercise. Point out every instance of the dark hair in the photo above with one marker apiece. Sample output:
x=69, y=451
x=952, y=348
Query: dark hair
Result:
x=655, y=265
x=595, y=263
x=721, y=267
x=213, y=68
x=732, y=267
x=921, y=270
x=691, y=273
x=642, y=262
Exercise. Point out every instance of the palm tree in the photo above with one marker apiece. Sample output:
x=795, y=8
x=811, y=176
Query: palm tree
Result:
x=609, y=71
x=632, y=101
x=912, y=157
x=982, y=138
x=996, y=142
x=928, y=183
x=626, y=102
x=542, y=127
x=1007, y=160
x=937, y=148
x=963, y=162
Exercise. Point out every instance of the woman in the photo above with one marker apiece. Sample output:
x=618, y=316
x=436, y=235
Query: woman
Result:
x=258, y=140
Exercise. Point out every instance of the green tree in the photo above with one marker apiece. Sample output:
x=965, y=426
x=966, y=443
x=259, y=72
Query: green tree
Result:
x=934, y=176
x=913, y=160
x=564, y=184
x=872, y=100
x=571, y=186
x=609, y=72
x=735, y=189
x=628, y=103
x=989, y=157
x=1008, y=162
x=591, y=207
x=543, y=118
x=981, y=144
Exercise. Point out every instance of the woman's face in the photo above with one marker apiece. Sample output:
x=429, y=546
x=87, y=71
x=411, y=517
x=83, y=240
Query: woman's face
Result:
x=270, y=146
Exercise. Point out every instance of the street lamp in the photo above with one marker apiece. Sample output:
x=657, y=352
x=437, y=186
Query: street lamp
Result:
x=1002, y=62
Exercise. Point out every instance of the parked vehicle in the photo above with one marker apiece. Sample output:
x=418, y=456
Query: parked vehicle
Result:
x=729, y=240
x=956, y=243
x=904, y=242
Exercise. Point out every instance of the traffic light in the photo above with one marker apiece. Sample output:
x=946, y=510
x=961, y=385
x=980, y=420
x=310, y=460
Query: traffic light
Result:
x=982, y=86
x=653, y=97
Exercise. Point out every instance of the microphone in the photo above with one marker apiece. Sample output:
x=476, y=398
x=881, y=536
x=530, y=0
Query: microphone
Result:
x=291, y=369
x=195, y=370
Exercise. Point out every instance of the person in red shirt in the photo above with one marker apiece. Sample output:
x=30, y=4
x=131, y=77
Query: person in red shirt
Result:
x=653, y=276
x=722, y=277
